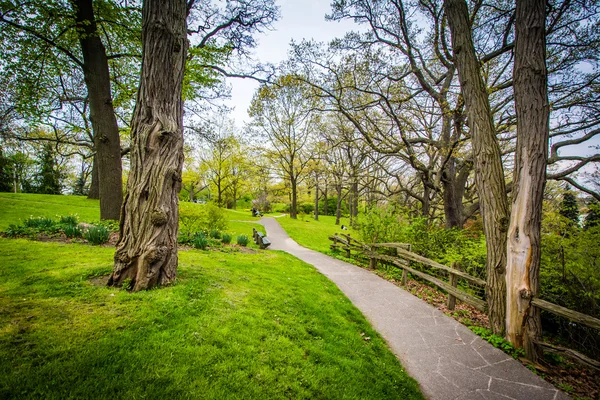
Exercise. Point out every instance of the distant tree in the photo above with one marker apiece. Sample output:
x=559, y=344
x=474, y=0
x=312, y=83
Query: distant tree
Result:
x=283, y=114
x=592, y=218
x=569, y=207
x=48, y=177
x=6, y=182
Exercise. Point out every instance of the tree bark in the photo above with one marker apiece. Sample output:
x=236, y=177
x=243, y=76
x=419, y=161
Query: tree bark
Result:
x=102, y=114
x=147, y=247
x=489, y=176
x=530, y=78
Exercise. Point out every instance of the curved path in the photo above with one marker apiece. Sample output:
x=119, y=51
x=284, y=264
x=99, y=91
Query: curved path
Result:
x=446, y=358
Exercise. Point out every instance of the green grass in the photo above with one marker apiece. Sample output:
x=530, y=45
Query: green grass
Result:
x=234, y=326
x=314, y=234
x=16, y=207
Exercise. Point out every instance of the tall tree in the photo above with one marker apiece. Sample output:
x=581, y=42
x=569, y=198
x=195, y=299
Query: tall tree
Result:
x=146, y=252
x=52, y=46
x=102, y=114
x=489, y=175
x=530, y=76
x=283, y=113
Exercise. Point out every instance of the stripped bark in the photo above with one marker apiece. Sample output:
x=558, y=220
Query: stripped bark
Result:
x=523, y=323
x=147, y=247
x=489, y=176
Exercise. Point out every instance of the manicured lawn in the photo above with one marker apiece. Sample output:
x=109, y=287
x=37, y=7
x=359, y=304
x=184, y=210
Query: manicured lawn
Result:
x=235, y=325
x=314, y=234
x=14, y=207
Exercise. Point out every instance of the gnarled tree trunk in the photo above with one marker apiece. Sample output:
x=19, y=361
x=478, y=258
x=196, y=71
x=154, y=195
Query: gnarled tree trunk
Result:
x=107, y=143
x=523, y=324
x=489, y=176
x=147, y=247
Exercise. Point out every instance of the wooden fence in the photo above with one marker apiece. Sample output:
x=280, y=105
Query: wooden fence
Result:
x=405, y=259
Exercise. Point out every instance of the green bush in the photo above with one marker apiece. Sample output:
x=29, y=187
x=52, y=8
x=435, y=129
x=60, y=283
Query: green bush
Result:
x=215, y=234
x=242, y=240
x=497, y=341
x=306, y=208
x=226, y=238
x=215, y=218
x=41, y=223
x=97, y=235
x=68, y=220
x=72, y=231
x=17, y=230
x=200, y=241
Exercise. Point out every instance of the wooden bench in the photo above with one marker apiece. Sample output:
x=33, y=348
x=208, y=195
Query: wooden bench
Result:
x=260, y=239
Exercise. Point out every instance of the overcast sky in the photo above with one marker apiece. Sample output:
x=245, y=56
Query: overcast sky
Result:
x=300, y=19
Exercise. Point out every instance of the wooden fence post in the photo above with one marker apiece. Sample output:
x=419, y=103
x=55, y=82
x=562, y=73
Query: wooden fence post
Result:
x=453, y=280
x=373, y=261
x=404, y=271
x=348, y=246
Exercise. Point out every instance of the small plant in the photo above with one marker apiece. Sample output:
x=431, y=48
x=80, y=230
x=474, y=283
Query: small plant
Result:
x=17, y=230
x=72, y=231
x=97, y=235
x=200, y=241
x=226, y=238
x=126, y=284
x=68, y=220
x=497, y=341
x=41, y=223
x=215, y=234
x=242, y=240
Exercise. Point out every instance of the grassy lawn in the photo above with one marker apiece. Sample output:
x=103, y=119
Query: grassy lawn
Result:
x=14, y=207
x=235, y=325
x=314, y=234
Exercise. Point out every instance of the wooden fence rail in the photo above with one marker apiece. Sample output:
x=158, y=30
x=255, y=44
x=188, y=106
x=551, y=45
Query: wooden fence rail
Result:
x=403, y=258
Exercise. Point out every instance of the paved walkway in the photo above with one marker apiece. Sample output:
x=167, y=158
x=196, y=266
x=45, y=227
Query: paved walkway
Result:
x=446, y=358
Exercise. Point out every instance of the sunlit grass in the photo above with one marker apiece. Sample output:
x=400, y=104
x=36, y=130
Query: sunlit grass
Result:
x=16, y=207
x=314, y=234
x=233, y=326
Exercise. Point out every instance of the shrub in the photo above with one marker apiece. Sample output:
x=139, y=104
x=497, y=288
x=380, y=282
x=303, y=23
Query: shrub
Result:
x=306, y=208
x=215, y=234
x=68, y=220
x=97, y=235
x=40, y=223
x=215, y=218
x=226, y=238
x=200, y=241
x=242, y=240
x=72, y=231
x=17, y=230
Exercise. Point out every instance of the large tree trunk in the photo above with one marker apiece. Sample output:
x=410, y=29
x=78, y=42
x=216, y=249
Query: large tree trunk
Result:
x=147, y=247
x=530, y=78
x=489, y=176
x=102, y=114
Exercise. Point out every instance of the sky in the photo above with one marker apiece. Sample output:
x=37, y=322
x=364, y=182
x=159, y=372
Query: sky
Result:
x=305, y=19
x=300, y=19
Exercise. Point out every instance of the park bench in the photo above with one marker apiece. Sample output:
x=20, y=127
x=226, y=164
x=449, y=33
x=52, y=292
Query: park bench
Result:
x=260, y=239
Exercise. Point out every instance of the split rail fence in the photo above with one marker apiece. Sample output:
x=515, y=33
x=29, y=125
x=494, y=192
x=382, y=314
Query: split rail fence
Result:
x=406, y=260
